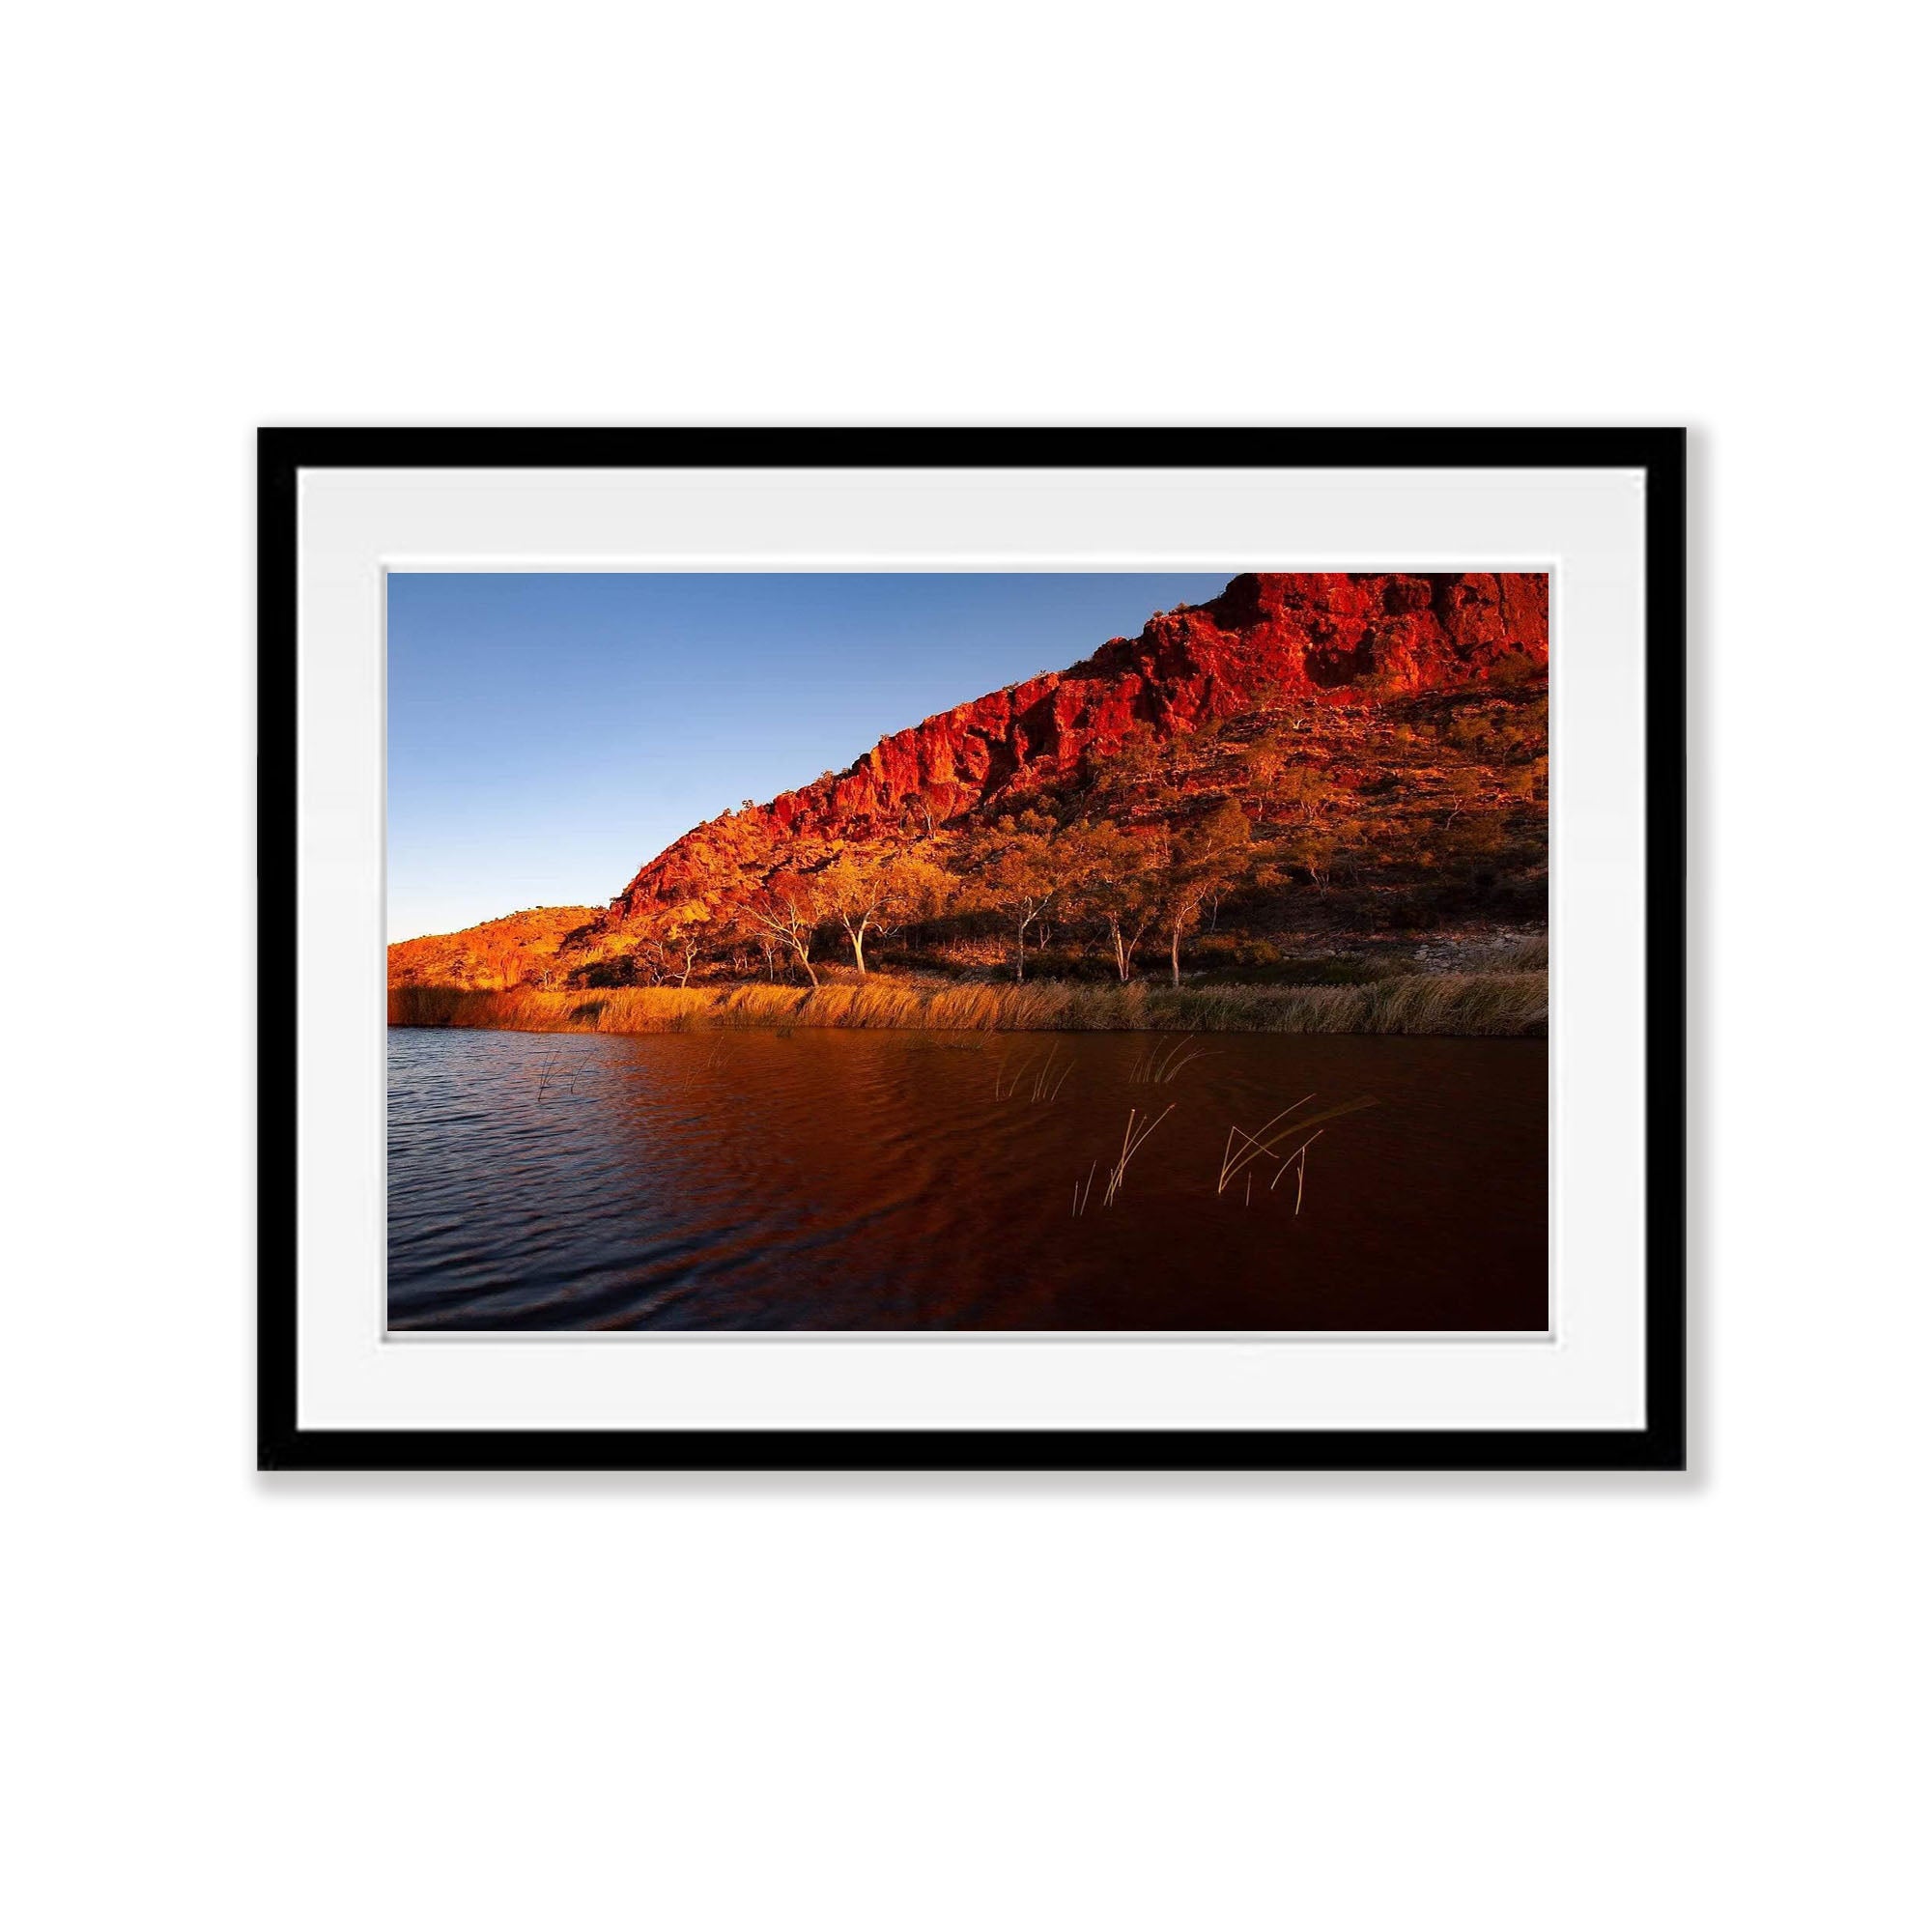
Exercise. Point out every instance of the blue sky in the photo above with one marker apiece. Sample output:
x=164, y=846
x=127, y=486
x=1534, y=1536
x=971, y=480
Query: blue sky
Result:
x=549, y=733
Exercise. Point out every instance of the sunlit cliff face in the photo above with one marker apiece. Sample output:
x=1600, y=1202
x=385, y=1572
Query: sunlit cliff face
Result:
x=1321, y=639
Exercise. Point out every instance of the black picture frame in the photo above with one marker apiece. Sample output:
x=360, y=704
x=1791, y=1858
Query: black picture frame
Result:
x=1659, y=1445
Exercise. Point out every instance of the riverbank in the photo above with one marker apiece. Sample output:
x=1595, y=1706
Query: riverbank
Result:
x=1491, y=1005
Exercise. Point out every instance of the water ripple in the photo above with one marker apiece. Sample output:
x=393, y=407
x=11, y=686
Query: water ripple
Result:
x=853, y=1180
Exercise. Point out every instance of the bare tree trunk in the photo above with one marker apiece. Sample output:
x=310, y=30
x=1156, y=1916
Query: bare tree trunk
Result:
x=1176, y=956
x=805, y=960
x=857, y=935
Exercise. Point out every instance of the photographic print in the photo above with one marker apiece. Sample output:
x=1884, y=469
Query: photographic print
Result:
x=968, y=952
x=972, y=949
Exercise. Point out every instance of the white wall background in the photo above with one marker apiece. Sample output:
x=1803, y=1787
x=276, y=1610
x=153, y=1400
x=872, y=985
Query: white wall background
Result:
x=1330, y=1703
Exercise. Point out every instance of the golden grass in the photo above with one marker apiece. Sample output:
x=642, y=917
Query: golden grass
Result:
x=1253, y=1147
x=1494, y=1004
x=1159, y=1067
x=1131, y=1143
x=1047, y=1078
x=1519, y=955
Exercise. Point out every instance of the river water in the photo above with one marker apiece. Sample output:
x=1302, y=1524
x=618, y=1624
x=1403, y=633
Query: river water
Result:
x=907, y=1180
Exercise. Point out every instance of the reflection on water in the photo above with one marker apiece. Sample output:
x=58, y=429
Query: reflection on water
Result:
x=855, y=1180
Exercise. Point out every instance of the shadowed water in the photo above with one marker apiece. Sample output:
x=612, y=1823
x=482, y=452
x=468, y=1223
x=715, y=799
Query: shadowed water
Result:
x=881, y=1179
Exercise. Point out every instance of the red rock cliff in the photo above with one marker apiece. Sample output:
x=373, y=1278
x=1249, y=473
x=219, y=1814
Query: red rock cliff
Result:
x=1311, y=636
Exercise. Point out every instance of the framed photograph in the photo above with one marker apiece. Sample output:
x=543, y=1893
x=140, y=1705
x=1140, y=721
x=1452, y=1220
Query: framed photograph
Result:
x=972, y=949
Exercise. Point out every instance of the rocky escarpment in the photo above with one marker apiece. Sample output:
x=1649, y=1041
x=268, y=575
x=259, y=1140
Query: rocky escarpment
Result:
x=1316, y=638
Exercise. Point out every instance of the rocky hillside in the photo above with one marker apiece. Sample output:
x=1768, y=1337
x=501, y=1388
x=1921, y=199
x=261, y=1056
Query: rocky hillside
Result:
x=520, y=948
x=1307, y=641
x=1305, y=763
